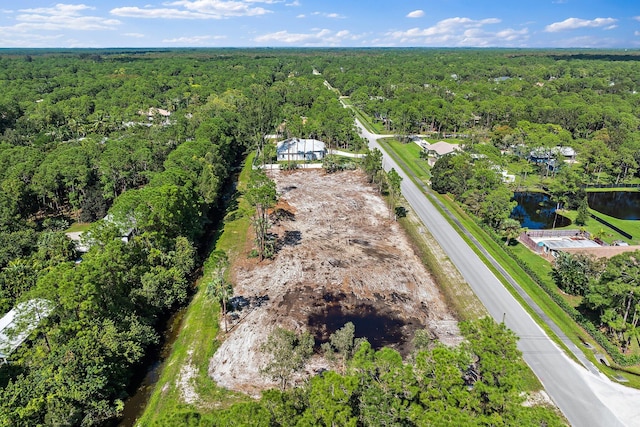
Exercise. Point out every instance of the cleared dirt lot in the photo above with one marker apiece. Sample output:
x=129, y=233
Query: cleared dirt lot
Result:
x=340, y=259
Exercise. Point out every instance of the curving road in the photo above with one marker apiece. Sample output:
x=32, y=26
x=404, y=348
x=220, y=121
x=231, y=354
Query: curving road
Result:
x=585, y=397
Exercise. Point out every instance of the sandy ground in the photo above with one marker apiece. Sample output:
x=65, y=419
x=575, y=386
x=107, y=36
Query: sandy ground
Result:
x=340, y=258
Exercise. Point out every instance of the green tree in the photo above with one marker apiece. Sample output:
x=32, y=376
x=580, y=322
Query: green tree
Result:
x=583, y=212
x=616, y=295
x=574, y=272
x=394, y=180
x=497, y=206
x=452, y=173
x=510, y=229
x=261, y=195
x=331, y=399
x=372, y=165
x=288, y=352
x=498, y=365
x=219, y=287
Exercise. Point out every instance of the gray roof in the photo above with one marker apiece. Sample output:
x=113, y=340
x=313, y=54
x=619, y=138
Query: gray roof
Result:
x=298, y=145
x=569, y=243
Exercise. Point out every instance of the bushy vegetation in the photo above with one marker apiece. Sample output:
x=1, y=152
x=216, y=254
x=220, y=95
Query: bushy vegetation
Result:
x=478, y=383
x=150, y=139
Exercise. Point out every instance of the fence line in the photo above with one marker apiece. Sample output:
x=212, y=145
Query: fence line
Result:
x=611, y=226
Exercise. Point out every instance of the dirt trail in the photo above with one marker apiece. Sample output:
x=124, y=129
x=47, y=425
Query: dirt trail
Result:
x=340, y=259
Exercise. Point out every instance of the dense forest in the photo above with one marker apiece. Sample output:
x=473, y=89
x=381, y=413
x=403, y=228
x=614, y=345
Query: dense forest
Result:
x=147, y=141
x=151, y=140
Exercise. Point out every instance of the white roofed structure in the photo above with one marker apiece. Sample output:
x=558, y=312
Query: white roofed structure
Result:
x=296, y=149
x=19, y=322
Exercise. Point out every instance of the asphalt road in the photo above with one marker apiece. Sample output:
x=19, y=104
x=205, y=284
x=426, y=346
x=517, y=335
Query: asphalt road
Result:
x=578, y=392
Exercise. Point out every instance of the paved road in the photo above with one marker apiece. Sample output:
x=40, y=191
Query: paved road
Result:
x=578, y=392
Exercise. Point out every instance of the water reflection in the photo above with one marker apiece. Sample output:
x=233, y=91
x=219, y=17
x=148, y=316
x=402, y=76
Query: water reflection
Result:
x=535, y=211
x=618, y=204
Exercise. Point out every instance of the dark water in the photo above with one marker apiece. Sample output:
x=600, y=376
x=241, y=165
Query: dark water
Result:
x=134, y=405
x=618, y=204
x=536, y=211
x=379, y=325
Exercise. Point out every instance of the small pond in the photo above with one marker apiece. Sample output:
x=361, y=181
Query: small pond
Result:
x=535, y=211
x=618, y=204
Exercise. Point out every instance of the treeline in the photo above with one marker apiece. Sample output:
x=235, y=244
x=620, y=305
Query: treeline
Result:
x=610, y=291
x=535, y=100
x=106, y=306
x=479, y=383
x=151, y=140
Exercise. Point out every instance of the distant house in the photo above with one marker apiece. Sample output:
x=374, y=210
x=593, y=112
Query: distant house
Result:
x=567, y=154
x=77, y=238
x=83, y=240
x=19, y=322
x=126, y=228
x=553, y=158
x=296, y=149
x=441, y=148
x=507, y=177
x=153, y=111
x=545, y=155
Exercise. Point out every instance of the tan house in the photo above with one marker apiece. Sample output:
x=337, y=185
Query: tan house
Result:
x=442, y=148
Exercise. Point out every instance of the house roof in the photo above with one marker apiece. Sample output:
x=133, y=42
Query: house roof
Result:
x=602, y=251
x=297, y=145
x=561, y=244
x=17, y=324
x=153, y=111
x=441, y=148
x=76, y=237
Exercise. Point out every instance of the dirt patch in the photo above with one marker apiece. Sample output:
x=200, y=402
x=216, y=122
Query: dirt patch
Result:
x=340, y=258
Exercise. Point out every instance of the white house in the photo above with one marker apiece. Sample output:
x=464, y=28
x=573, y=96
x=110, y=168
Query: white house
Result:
x=296, y=149
x=19, y=322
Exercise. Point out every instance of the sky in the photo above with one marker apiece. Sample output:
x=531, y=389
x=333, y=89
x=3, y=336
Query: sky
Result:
x=315, y=23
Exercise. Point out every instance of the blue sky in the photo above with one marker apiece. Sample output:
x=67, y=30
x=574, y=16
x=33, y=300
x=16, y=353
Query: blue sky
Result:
x=329, y=23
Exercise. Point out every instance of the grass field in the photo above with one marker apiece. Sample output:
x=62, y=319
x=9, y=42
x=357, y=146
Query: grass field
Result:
x=410, y=155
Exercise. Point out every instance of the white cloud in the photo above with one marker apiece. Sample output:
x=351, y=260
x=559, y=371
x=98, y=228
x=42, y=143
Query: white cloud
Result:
x=193, y=40
x=319, y=37
x=329, y=15
x=416, y=14
x=444, y=28
x=575, y=23
x=136, y=35
x=294, y=3
x=462, y=32
x=59, y=17
x=302, y=15
x=636, y=33
x=637, y=18
x=198, y=9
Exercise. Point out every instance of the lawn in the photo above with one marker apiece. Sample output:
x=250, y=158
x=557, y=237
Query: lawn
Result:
x=78, y=226
x=605, y=233
x=410, y=155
